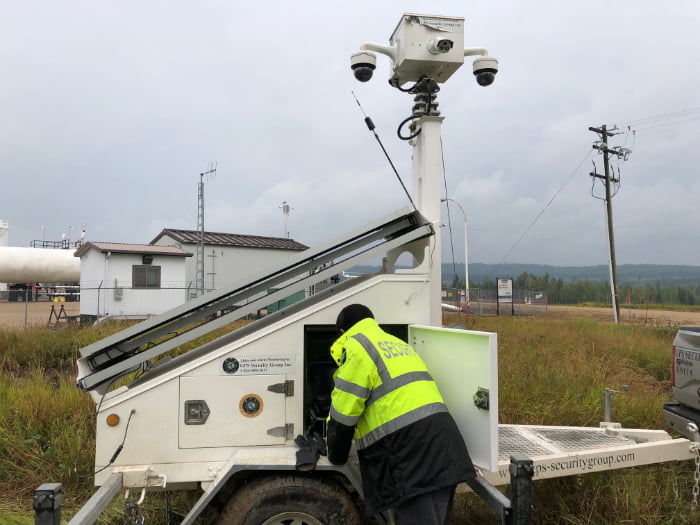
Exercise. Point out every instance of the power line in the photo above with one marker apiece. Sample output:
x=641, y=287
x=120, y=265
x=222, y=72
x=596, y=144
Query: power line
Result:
x=660, y=117
x=668, y=124
x=590, y=152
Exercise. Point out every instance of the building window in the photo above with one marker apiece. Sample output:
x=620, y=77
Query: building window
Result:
x=145, y=276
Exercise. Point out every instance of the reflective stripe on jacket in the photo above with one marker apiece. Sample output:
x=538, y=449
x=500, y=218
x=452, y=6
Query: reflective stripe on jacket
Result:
x=382, y=384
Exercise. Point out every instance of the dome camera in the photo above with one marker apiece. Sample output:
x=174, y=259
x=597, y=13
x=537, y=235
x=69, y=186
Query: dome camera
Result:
x=485, y=69
x=363, y=64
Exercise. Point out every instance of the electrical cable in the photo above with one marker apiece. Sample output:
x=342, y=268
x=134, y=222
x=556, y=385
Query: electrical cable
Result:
x=371, y=127
x=663, y=116
x=546, y=206
x=114, y=456
x=449, y=218
x=403, y=123
x=82, y=443
x=424, y=85
x=667, y=124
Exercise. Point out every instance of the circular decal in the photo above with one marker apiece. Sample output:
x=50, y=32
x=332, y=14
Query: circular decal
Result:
x=251, y=405
x=231, y=365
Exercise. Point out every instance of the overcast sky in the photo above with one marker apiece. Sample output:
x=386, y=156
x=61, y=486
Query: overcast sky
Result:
x=110, y=110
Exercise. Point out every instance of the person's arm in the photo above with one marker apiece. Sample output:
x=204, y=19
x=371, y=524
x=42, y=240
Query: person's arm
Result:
x=351, y=390
x=339, y=441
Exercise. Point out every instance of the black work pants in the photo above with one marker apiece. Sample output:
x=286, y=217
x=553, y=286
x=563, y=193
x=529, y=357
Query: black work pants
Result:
x=431, y=508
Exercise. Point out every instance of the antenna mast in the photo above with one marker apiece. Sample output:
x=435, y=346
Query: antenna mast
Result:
x=211, y=170
x=286, y=208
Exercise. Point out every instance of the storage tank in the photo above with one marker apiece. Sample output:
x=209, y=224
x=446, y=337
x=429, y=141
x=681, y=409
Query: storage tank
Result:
x=37, y=265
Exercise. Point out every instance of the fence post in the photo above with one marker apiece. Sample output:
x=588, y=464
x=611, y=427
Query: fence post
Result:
x=48, y=499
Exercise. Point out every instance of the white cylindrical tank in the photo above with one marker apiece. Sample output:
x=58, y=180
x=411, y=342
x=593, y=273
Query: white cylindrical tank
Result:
x=37, y=265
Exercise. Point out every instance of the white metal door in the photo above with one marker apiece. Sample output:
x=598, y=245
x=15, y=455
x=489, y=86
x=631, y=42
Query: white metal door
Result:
x=224, y=411
x=464, y=364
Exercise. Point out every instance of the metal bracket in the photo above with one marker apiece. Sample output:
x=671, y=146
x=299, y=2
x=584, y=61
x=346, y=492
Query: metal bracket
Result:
x=287, y=431
x=481, y=399
x=286, y=388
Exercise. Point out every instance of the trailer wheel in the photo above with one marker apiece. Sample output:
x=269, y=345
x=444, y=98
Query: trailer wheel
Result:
x=290, y=500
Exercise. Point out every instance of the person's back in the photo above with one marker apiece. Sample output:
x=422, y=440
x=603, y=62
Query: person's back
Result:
x=411, y=452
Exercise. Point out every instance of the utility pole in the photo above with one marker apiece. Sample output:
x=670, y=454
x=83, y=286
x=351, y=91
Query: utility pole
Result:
x=608, y=179
x=211, y=170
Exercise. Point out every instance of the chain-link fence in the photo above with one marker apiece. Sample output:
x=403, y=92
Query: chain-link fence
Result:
x=484, y=302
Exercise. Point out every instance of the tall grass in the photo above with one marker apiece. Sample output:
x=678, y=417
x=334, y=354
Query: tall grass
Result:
x=554, y=372
x=45, y=421
x=551, y=371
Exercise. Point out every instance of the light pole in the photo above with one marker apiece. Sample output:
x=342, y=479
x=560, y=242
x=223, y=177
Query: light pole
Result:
x=466, y=258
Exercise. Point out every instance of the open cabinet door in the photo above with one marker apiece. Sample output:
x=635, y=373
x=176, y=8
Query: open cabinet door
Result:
x=464, y=365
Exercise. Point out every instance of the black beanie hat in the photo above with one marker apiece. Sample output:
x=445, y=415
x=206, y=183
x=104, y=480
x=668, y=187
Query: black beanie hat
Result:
x=352, y=314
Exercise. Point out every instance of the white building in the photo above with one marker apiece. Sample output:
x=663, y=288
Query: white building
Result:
x=228, y=257
x=130, y=280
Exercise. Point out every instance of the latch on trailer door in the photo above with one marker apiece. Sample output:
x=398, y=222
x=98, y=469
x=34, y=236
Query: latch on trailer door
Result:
x=286, y=388
x=196, y=412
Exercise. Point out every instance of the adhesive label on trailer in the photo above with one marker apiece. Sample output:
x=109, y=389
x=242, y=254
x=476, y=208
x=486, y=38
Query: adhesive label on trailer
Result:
x=259, y=365
x=251, y=405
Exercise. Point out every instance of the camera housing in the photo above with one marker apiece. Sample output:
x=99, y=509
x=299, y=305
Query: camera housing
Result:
x=363, y=64
x=485, y=69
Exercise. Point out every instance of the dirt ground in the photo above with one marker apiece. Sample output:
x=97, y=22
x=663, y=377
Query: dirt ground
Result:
x=33, y=314
x=627, y=315
x=17, y=315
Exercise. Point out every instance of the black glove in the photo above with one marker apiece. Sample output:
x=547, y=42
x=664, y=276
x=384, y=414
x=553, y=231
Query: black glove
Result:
x=310, y=449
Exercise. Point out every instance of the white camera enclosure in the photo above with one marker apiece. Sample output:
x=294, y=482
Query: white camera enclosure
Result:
x=427, y=45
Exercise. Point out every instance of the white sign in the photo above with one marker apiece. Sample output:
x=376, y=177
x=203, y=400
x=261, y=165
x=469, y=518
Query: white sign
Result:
x=443, y=23
x=505, y=290
x=263, y=365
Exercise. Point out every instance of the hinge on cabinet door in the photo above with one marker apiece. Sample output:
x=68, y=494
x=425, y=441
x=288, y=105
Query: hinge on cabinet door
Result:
x=286, y=388
x=287, y=431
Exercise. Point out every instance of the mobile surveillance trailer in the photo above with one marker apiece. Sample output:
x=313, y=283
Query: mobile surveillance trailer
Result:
x=223, y=417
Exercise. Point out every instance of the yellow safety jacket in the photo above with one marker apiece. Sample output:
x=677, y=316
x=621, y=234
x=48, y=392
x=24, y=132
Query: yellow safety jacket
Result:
x=381, y=386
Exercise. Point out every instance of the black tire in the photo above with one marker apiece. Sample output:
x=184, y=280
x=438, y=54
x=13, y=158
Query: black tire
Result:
x=290, y=500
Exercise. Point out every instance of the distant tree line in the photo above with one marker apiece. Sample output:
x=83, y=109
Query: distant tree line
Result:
x=642, y=283
x=585, y=291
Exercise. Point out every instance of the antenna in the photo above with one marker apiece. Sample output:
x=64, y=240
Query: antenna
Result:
x=286, y=208
x=208, y=173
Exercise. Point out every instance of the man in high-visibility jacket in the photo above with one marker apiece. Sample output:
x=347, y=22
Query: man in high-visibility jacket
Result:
x=411, y=452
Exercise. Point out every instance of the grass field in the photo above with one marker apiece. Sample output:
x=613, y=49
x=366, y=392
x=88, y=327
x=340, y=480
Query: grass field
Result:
x=551, y=371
